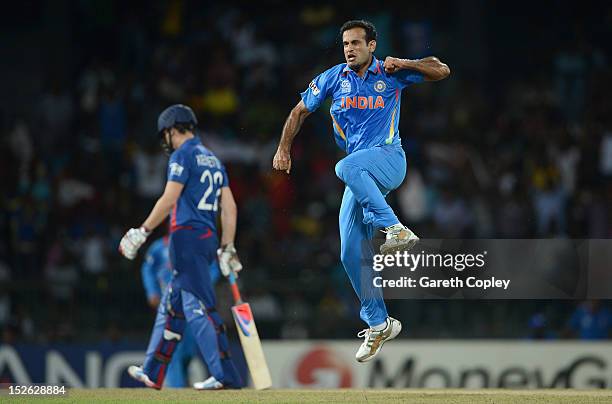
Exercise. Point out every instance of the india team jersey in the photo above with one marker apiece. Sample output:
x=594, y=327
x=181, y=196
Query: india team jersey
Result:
x=365, y=111
x=203, y=175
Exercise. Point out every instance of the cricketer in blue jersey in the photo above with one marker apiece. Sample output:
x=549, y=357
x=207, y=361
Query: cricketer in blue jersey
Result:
x=156, y=274
x=196, y=190
x=366, y=97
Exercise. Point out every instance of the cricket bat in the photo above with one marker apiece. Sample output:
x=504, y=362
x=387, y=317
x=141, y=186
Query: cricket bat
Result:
x=249, y=339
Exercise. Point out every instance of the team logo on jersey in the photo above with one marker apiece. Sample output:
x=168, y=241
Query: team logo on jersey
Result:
x=176, y=169
x=314, y=88
x=380, y=86
x=345, y=86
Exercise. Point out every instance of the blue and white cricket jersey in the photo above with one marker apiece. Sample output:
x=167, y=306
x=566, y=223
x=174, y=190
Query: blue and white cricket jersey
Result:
x=203, y=175
x=156, y=272
x=365, y=111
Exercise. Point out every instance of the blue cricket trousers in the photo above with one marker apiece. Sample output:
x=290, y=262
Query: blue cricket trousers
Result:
x=191, y=299
x=176, y=375
x=369, y=176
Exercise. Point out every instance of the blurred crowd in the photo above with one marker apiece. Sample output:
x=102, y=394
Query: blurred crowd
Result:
x=516, y=150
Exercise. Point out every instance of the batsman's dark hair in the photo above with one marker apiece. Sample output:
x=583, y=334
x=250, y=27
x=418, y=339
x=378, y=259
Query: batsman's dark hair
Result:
x=369, y=28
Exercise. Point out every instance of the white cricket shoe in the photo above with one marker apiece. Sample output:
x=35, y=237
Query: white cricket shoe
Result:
x=137, y=373
x=209, y=384
x=399, y=238
x=374, y=340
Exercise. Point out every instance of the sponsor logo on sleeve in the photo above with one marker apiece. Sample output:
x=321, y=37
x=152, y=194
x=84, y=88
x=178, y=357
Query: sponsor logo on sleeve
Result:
x=176, y=169
x=314, y=88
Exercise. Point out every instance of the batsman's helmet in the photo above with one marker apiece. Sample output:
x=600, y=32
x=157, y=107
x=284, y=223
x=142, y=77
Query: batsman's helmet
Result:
x=177, y=114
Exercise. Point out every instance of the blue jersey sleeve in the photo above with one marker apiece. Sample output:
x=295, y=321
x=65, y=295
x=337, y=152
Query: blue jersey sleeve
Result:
x=225, y=177
x=178, y=167
x=407, y=77
x=318, y=90
x=148, y=271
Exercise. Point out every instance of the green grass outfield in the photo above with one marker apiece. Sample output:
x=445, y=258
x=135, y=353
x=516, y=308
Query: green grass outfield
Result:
x=446, y=396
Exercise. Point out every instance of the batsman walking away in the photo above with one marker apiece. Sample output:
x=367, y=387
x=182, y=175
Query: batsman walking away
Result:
x=366, y=99
x=197, y=188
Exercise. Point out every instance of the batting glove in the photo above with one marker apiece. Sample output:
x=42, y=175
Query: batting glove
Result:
x=132, y=241
x=228, y=259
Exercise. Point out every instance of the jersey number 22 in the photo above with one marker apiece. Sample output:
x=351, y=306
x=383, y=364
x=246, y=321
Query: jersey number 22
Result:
x=212, y=179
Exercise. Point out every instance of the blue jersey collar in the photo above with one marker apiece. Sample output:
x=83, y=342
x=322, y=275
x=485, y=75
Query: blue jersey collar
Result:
x=374, y=67
x=195, y=139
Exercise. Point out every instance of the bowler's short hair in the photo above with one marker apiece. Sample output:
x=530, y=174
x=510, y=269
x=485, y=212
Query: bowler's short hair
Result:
x=369, y=28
